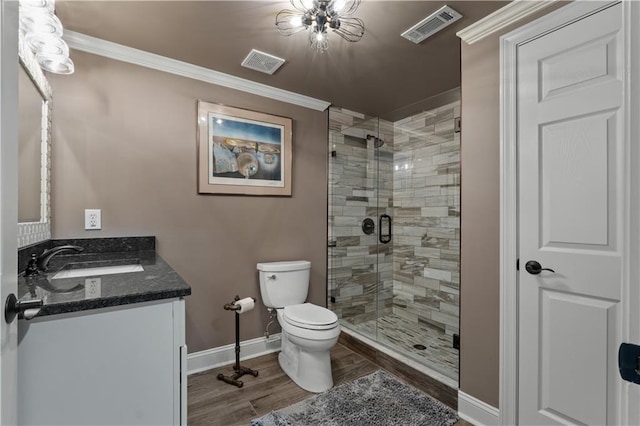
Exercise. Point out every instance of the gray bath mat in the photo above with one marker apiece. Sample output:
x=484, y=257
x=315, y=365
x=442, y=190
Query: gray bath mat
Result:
x=378, y=399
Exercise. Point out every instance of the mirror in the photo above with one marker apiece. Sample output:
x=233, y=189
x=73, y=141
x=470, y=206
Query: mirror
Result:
x=29, y=155
x=34, y=144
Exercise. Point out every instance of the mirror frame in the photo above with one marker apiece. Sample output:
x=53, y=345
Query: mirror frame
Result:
x=35, y=232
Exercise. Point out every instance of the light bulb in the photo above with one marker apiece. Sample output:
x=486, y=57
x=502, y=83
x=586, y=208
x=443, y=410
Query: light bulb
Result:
x=48, y=5
x=296, y=21
x=58, y=64
x=47, y=43
x=41, y=23
x=319, y=36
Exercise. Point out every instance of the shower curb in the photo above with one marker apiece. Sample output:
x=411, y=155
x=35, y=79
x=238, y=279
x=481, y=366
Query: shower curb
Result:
x=444, y=393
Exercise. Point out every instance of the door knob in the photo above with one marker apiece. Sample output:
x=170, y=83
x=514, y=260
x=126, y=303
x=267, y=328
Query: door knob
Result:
x=26, y=309
x=534, y=268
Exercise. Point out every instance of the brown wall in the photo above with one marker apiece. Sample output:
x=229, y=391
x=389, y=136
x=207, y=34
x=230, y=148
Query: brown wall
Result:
x=480, y=225
x=125, y=142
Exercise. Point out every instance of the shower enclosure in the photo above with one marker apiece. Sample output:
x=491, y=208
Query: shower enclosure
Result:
x=394, y=232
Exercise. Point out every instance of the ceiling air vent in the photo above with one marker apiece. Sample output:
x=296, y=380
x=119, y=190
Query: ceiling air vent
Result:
x=430, y=25
x=263, y=62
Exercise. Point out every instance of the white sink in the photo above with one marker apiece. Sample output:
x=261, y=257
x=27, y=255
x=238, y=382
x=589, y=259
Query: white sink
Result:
x=103, y=270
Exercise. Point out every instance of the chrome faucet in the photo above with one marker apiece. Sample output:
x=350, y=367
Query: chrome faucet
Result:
x=45, y=257
x=40, y=263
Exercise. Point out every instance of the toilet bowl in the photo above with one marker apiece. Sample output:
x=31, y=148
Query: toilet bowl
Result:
x=308, y=331
x=305, y=354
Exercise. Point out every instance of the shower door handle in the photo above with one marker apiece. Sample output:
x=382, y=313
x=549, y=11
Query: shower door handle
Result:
x=385, y=238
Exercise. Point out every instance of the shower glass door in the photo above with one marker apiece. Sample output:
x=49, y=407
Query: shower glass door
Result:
x=360, y=226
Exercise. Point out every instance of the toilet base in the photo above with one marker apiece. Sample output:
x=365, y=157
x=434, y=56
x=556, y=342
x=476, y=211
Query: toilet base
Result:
x=311, y=370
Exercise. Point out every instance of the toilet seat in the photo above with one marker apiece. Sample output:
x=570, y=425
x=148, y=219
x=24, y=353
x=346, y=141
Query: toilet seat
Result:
x=301, y=331
x=310, y=316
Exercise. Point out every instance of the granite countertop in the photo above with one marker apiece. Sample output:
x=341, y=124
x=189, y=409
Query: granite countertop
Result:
x=157, y=281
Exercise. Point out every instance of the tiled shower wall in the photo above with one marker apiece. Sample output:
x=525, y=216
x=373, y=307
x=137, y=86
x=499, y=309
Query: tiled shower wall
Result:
x=426, y=200
x=418, y=184
x=360, y=281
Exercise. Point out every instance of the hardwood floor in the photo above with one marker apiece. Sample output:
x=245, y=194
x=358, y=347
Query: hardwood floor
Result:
x=212, y=402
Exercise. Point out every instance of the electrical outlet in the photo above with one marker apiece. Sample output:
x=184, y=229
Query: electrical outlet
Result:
x=92, y=219
x=92, y=287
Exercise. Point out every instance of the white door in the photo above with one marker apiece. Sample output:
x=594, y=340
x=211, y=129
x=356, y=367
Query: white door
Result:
x=572, y=189
x=8, y=204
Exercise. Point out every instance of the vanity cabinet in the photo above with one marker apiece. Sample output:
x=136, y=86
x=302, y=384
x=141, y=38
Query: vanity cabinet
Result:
x=121, y=365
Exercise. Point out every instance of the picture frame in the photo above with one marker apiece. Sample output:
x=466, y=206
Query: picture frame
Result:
x=243, y=152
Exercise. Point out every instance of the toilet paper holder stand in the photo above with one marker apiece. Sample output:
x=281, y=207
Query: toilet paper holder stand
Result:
x=239, y=370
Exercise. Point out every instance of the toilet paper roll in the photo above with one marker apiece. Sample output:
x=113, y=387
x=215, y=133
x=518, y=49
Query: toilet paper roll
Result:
x=245, y=304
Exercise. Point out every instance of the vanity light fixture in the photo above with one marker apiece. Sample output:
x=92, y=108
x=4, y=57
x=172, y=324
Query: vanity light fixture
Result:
x=317, y=16
x=42, y=31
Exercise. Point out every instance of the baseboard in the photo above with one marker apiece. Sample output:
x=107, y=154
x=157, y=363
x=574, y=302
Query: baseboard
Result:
x=224, y=355
x=477, y=412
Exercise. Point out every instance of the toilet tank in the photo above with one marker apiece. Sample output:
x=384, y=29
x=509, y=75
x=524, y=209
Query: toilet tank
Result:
x=284, y=283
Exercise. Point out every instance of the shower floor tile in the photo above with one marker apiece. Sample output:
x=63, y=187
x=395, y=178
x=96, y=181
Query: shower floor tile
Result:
x=401, y=335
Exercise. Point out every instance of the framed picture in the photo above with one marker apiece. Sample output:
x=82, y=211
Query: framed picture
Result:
x=243, y=152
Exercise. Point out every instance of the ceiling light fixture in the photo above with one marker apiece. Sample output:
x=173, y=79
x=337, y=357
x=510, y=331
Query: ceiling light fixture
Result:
x=316, y=16
x=43, y=32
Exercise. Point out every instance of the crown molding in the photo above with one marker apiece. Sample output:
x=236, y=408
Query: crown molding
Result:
x=502, y=17
x=97, y=46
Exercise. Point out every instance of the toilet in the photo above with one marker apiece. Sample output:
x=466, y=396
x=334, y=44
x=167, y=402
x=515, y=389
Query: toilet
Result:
x=308, y=331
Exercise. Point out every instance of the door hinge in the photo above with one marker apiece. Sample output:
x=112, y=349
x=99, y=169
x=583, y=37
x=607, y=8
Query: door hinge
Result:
x=517, y=264
x=457, y=125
